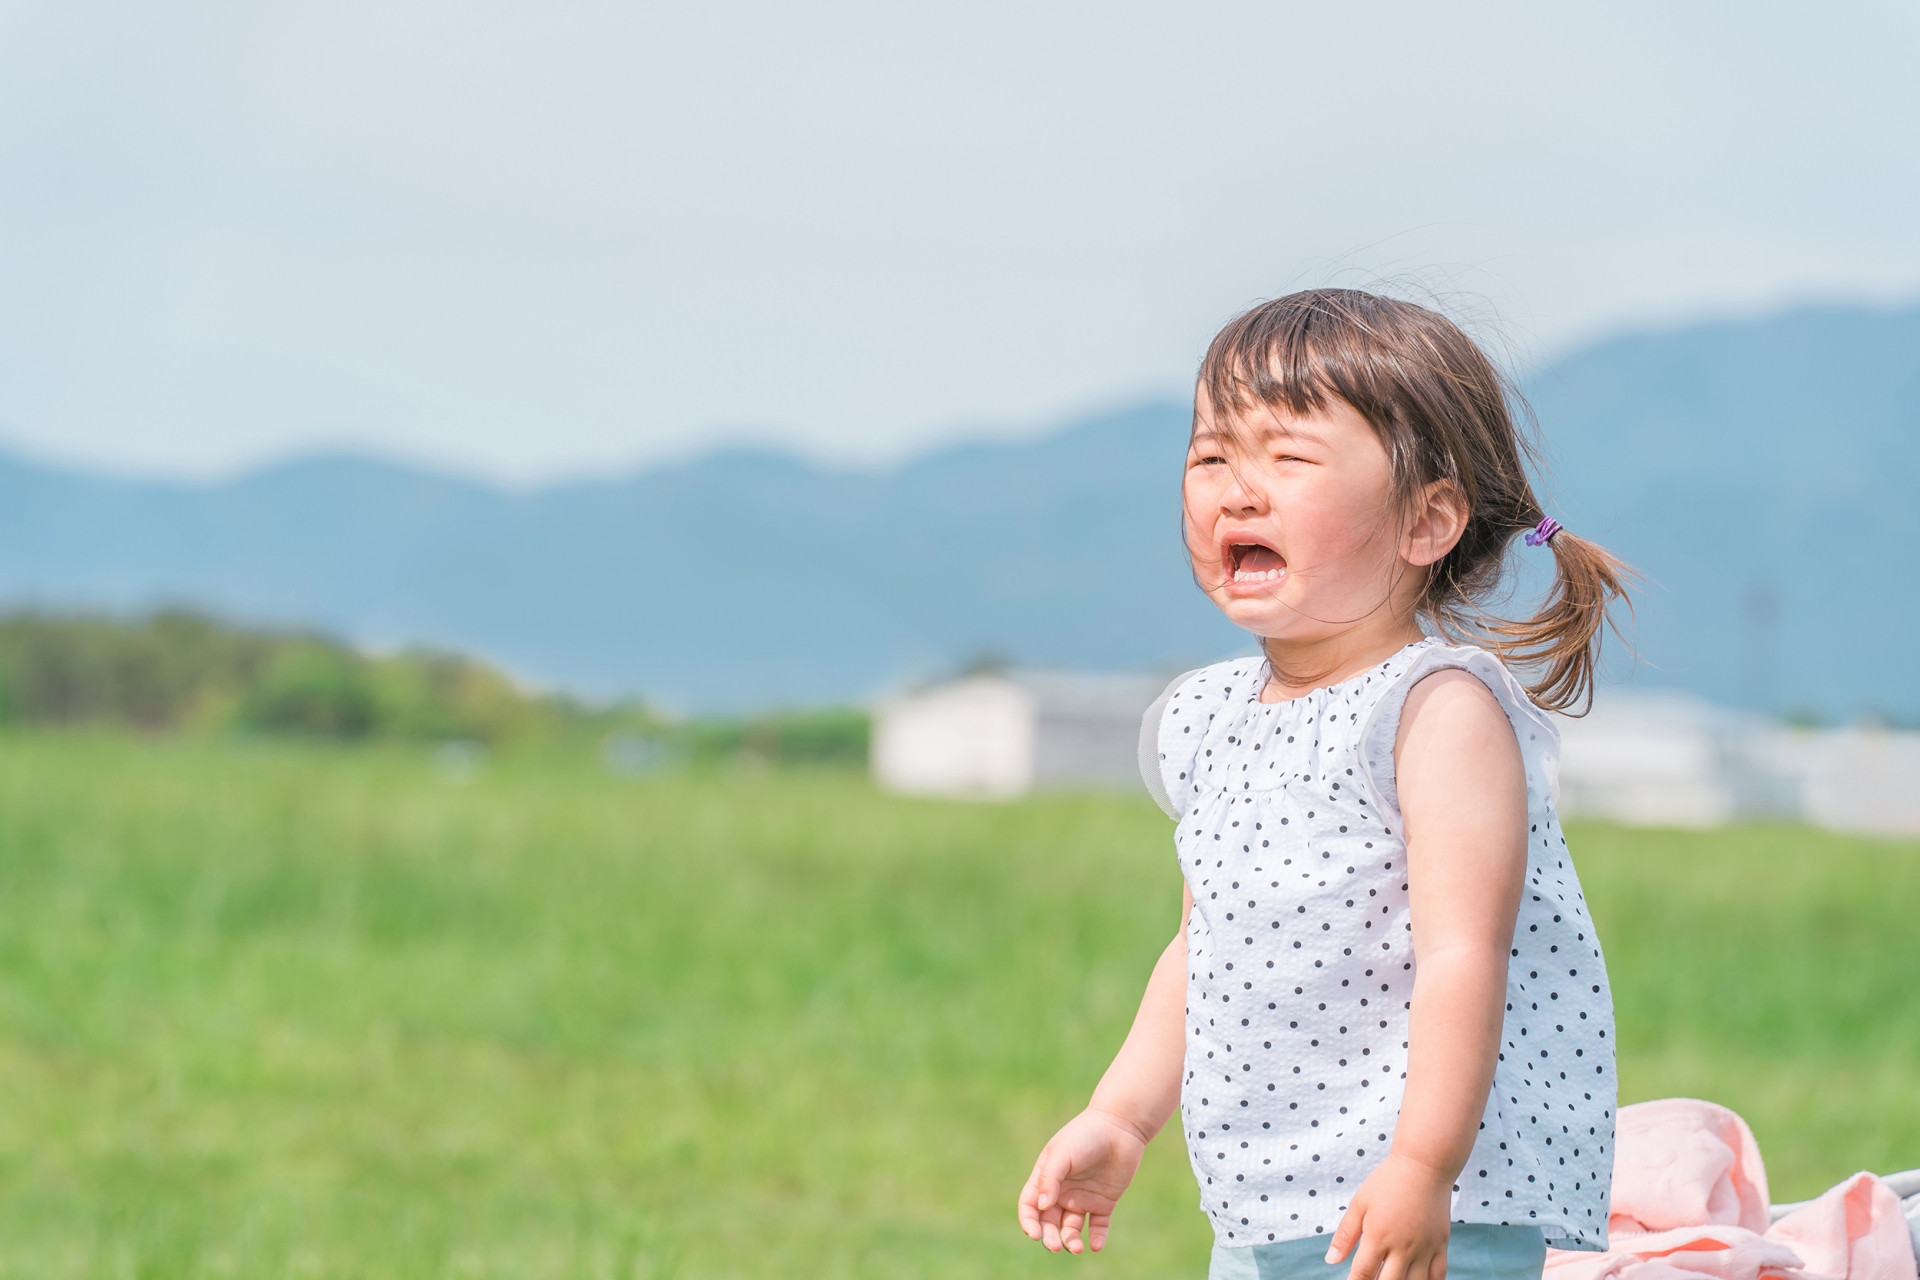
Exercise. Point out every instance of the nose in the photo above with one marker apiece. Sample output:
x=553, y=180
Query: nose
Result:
x=1239, y=498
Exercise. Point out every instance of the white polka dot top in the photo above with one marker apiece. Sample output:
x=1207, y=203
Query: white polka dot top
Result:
x=1300, y=964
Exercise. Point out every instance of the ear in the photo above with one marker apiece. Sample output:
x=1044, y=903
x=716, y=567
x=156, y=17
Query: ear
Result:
x=1439, y=520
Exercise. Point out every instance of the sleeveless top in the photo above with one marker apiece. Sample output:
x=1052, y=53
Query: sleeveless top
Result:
x=1300, y=963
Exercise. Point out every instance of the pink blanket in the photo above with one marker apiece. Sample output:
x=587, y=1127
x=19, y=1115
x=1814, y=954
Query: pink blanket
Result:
x=1690, y=1202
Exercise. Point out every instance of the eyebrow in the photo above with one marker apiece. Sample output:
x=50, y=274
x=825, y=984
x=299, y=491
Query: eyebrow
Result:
x=1265, y=433
x=1291, y=433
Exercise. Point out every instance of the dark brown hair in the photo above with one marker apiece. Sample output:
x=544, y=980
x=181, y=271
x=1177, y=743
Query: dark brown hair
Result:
x=1444, y=413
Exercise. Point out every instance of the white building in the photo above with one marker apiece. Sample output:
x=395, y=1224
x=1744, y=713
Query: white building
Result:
x=1861, y=780
x=1671, y=760
x=1001, y=735
x=1667, y=759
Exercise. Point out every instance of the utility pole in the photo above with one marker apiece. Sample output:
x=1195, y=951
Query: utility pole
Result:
x=1759, y=647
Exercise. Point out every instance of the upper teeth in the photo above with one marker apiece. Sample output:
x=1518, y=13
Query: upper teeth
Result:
x=1250, y=575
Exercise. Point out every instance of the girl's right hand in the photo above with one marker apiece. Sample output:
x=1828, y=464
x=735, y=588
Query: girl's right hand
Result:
x=1077, y=1180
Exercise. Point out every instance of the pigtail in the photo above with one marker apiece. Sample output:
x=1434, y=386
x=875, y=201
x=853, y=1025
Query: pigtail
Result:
x=1561, y=641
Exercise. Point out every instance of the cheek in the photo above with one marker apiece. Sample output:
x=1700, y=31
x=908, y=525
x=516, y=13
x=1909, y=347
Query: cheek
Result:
x=1196, y=510
x=1338, y=522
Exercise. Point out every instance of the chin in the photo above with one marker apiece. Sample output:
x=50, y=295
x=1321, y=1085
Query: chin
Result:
x=1262, y=617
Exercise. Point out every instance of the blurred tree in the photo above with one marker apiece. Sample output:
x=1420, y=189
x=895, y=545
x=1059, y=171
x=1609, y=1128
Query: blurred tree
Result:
x=152, y=675
x=314, y=688
x=182, y=671
x=425, y=693
x=834, y=736
x=178, y=670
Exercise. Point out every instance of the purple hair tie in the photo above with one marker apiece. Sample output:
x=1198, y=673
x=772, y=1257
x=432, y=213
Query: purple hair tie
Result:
x=1541, y=534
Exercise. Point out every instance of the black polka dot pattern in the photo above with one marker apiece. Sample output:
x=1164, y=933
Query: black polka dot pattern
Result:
x=1300, y=964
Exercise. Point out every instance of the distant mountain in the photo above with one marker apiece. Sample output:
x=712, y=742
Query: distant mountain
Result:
x=1751, y=470
x=1763, y=477
x=740, y=579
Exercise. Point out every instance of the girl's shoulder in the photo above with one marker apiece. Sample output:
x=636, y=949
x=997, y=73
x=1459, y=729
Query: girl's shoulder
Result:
x=1533, y=728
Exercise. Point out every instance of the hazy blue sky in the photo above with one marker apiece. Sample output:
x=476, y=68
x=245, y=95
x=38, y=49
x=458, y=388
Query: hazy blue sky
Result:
x=541, y=239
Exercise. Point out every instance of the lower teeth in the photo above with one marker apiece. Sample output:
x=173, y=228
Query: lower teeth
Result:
x=1271, y=575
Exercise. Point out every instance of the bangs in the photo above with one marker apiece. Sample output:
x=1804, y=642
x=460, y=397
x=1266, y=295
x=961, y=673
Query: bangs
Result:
x=1298, y=352
x=1267, y=358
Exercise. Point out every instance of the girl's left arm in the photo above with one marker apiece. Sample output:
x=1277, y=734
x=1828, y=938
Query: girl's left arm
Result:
x=1463, y=800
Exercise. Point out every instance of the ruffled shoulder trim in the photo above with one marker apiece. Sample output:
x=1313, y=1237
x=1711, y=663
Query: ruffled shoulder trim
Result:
x=1187, y=711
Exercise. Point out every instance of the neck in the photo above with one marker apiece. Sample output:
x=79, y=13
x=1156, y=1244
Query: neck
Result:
x=1300, y=666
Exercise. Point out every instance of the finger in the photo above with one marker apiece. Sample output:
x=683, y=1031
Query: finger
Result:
x=1070, y=1224
x=1416, y=1266
x=1366, y=1261
x=1029, y=1208
x=1050, y=1230
x=1345, y=1235
x=1437, y=1269
x=1394, y=1266
x=1032, y=1206
x=1099, y=1225
x=1048, y=1173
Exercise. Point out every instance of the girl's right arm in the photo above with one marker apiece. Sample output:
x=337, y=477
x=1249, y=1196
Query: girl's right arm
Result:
x=1082, y=1172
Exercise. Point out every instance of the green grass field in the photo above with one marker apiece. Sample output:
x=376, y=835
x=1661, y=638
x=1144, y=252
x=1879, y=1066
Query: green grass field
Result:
x=269, y=1010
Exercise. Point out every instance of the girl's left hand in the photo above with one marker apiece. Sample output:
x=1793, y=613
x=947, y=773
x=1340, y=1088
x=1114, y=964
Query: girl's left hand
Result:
x=1399, y=1220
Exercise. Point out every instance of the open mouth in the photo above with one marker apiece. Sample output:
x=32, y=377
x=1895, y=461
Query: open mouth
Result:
x=1252, y=562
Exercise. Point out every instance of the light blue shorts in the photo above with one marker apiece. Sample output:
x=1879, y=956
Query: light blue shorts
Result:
x=1474, y=1252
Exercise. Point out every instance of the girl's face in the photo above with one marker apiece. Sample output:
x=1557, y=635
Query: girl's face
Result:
x=1291, y=526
